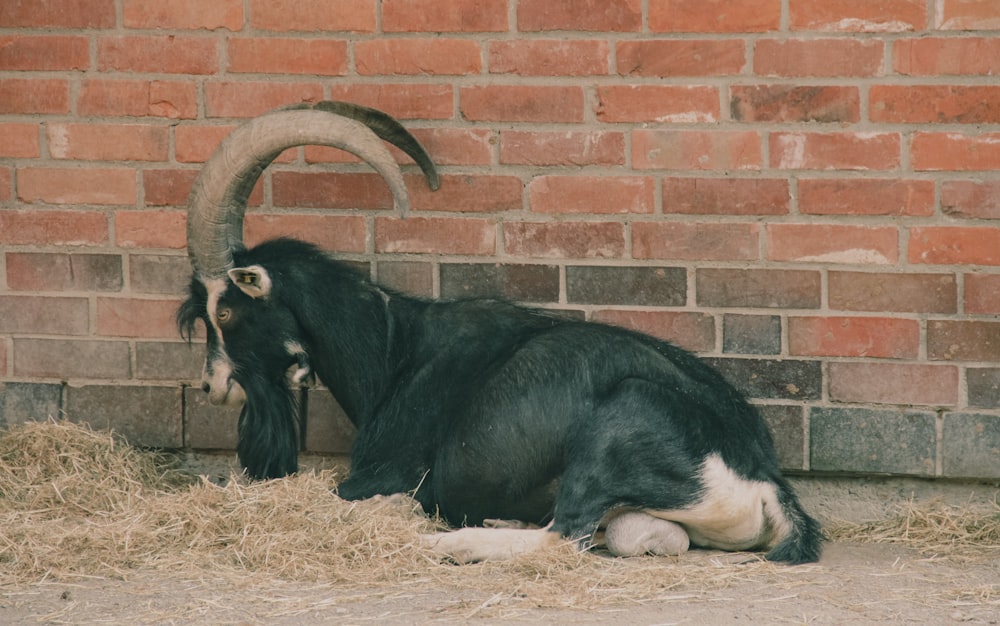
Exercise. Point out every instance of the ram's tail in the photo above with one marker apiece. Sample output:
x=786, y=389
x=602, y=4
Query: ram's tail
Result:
x=804, y=541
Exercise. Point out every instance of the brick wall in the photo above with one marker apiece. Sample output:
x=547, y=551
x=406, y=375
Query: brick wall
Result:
x=803, y=191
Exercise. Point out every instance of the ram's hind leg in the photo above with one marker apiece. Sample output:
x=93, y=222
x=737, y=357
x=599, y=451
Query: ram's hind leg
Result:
x=635, y=533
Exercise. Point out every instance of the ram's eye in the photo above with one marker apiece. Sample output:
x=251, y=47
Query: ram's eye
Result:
x=223, y=315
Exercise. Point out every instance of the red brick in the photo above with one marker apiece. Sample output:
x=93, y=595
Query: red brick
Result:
x=955, y=151
x=338, y=233
x=109, y=142
x=872, y=337
x=480, y=193
x=657, y=103
x=963, y=340
x=967, y=15
x=682, y=57
x=44, y=52
x=982, y=294
x=894, y=383
x=972, y=199
x=696, y=150
x=562, y=148
x=955, y=245
x=183, y=14
x=937, y=56
x=940, y=104
x=24, y=314
x=130, y=317
x=322, y=57
x=812, y=57
x=58, y=14
x=448, y=146
x=835, y=151
x=858, y=15
x=714, y=16
x=466, y=16
x=549, y=57
x=791, y=103
x=582, y=194
x=854, y=196
x=43, y=96
x=84, y=185
x=726, y=196
x=249, y=99
x=167, y=187
x=330, y=190
x=138, y=98
x=522, y=103
x=406, y=101
x=20, y=141
x=314, y=15
x=691, y=331
x=833, y=243
x=170, y=54
x=43, y=271
x=427, y=235
x=885, y=292
x=3, y=359
x=695, y=242
x=65, y=228
x=151, y=229
x=573, y=240
x=6, y=184
x=417, y=56
x=588, y=15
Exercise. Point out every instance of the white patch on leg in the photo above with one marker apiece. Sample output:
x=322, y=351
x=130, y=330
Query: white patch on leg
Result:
x=635, y=533
x=470, y=545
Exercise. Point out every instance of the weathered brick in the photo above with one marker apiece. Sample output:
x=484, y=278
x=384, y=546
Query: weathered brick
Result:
x=109, y=142
x=982, y=294
x=966, y=15
x=340, y=233
x=772, y=379
x=522, y=103
x=404, y=101
x=751, y=334
x=549, y=57
x=657, y=103
x=167, y=187
x=69, y=358
x=467, y=16
x=34, y=96
x=562, y=148
x=665, y=58
x=638, y=286
x=758, y=288
x=249, y=99
x=42, y=271
x=330, y=190
x=870, y=440
x=935, y=104
x=151, y=229
x=435, y=56
x=835, y=151
x=583, y=194
x=410, y=277
x=44, y=315
x=424, y=235
x=169, y=54
x=573, y=240
x=894, y=383
x=159, y=274
x=691, y=331
x=963, y=340
x=795, y=58
x=79, y=185
x=44, y=52
x=940, y=56
x=521, y=282
x=29, y=402
x=183, y=14
x=58, y=14
x=208, y=427
x=971, y=199
x=132, y=317
x=954, y=151
x=970, y=446
x=455, y=146
x=328, y=429
x=20, y=141
x=696, y=150
x=468, y=194
x=6, y=184
x=854, y=196
x=162, y=360
x=792, y=103
x=884, y=292
x=314, y=15
x=138, y=98
x=787, y=428
x=588, y=15
x=947, y=245
x=726, y=196
x=714, y=16
x=695, y=242
x=144, y=416
x=984, y=387
x=70, y=228
x=833, y=243
x=273, y=55
x=871, y=337
x=888, y=16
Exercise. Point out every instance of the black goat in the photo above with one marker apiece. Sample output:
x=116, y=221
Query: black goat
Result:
x=484, y=409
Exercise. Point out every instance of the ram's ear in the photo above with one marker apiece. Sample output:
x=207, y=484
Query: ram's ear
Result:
x=252, y=280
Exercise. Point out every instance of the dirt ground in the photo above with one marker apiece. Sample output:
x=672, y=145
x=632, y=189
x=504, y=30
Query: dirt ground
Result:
x=854, y=583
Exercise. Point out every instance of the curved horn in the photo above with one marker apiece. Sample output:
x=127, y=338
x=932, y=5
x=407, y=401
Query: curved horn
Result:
x=218, y=198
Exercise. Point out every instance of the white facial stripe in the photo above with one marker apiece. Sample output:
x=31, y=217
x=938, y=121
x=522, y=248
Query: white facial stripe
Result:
x=218, y=372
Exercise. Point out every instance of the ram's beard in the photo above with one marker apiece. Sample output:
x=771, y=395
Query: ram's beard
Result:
x=268, y=435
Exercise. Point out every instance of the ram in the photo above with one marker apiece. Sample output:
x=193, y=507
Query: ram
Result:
x=483, y=410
